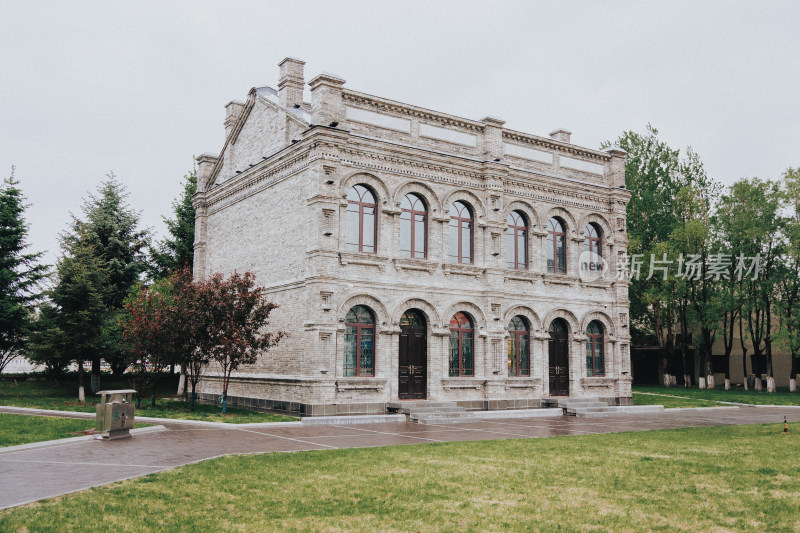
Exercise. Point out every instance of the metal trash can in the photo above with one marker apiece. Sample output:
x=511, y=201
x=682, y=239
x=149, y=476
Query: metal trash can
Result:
x=114, y=414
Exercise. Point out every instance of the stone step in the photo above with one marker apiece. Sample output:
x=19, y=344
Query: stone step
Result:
x=445, y=418
x=564, y=402
x=585, y=410
x=418, y=403
x=584, y=405
x=412, y=410
x=625, y=410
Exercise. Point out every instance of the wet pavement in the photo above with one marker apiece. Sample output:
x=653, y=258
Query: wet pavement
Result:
x=46, y=470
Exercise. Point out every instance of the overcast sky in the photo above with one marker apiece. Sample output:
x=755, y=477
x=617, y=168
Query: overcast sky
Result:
x=139, y=88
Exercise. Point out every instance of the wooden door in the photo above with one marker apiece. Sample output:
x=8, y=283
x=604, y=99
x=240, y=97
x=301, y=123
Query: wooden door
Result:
x=559, y=359
x=413, y=360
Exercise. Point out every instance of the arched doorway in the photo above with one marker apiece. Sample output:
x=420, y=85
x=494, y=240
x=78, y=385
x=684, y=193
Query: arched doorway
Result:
x=413, y=360
x=559, y=358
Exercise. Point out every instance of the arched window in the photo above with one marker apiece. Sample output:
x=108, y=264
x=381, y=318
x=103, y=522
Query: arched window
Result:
x=519, y=360
x=556, y=247
x=595, y=362
x=460, y=233
x=362, y=231
x=413, y=227
x=461, y=356
x=593, y=239
x=359, y=342
x=517, y=239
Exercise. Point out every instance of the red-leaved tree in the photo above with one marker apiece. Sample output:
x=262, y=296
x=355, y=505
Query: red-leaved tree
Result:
x=238, y=312
x=179, y=321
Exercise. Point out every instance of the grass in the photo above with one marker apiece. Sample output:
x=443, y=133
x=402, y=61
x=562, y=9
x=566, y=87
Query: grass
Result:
x=671, y=402
x=743, y=478
x=23, y=429
x=62, y=396
x=719, y=394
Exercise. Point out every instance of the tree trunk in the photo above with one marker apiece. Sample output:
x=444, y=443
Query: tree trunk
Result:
x=182, y=384
x=744, y=351
x=95, y=381
x=727, y=384
x=81, y=392
x=793, y=375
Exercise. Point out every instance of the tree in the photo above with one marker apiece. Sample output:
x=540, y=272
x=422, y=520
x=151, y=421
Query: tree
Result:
x=756, y=208
x=177, y=250
x=652, y=175
x=79, y=296
x=788, y=304
x=668, y=195
x=146, y=330
x=20, y=273
x=239, y=313
x=111, y=229
x=46, y=345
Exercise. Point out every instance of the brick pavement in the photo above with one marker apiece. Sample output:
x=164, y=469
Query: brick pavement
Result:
x=45, y=471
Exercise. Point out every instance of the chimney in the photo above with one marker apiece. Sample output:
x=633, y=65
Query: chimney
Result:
x=327, y=107
x=233, y=110
x=493, y=137
x=205, y=165
x=290, y=84
x=560, y=135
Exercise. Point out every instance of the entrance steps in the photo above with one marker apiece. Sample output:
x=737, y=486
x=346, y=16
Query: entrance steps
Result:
x=577, y=406
x=594, y=408
x=424, y=412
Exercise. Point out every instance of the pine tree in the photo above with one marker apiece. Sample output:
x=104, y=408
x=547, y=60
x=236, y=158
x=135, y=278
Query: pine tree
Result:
x=177, y=250
x=111, y=232
x=80, y=294
x=20, y=272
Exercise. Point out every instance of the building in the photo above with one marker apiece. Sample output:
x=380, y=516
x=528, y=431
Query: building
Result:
x=415, y=254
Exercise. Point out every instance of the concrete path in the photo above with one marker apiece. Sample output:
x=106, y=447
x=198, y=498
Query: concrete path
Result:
x=40, y=471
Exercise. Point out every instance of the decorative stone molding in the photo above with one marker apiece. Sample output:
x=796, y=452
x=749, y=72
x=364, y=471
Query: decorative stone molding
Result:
x=360, y=384
x=463, y=383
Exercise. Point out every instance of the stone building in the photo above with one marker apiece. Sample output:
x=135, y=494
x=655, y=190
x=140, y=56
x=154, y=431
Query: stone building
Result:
x=415, y=254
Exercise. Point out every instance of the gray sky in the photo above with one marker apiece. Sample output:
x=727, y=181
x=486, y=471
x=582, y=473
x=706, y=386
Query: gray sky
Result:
x=140, y=87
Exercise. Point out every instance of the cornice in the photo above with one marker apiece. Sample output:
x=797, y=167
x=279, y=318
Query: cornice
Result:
x=257, y=179
x=400, y=108
x=551, y=144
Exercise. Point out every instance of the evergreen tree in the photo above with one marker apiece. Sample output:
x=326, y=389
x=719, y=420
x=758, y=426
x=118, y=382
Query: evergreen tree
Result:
x=177, y=250
x=20, y=272
x=110, y=230
x=80, y=294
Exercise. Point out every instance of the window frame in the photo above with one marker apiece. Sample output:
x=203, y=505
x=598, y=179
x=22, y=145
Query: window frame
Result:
x=594, y=244
x=517, y=230
x=591, y=344
x=515, y=334
x=559, y=267
x=412, y=223
x=461, y=331
x=459, y=224
x=360, y=326
x=362, y=205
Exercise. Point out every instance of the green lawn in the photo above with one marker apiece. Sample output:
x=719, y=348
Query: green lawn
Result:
x=744, y=478
x=21, y=429
x=63, y=396
x=736, y=395
x=669, y=401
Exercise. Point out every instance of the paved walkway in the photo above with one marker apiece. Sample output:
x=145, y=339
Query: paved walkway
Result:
x=47, y=470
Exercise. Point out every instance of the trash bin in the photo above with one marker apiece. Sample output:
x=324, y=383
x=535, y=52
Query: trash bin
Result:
x=114, y=414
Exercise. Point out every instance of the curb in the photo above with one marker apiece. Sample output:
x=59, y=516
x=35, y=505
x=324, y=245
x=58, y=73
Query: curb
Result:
x=69, y=440
x=150, y=419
